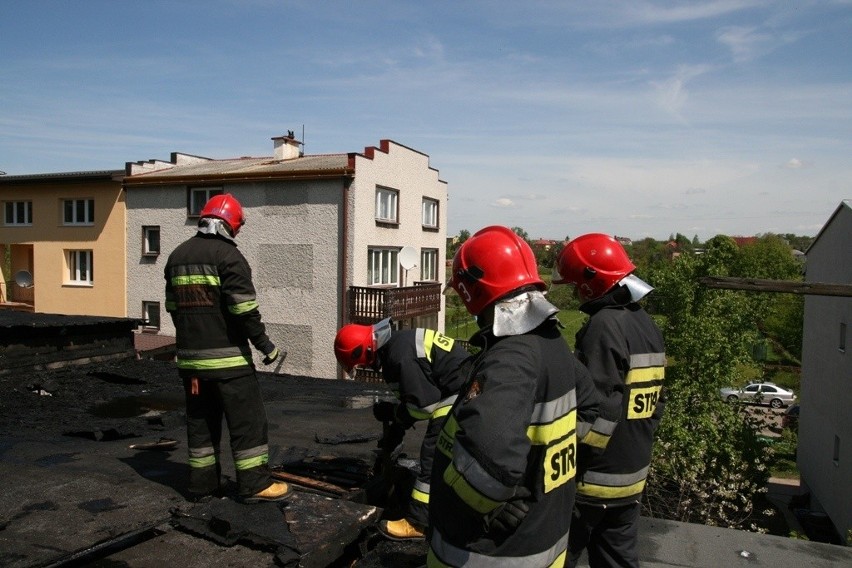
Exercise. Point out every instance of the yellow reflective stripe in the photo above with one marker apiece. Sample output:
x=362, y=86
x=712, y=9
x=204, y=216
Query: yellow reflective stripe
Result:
x=206, y=461
x=420, y=496
x=443, y=411
x=190, y=279
x=643, y=402
x=645, y=374
x=249, y=463
x=418, y=414
x=595, y=439
x=243, y=307
x=607, y=492
x=447, y=437
x=473, y=498
x=543, y=434
x=210, y=364
x=560, y=561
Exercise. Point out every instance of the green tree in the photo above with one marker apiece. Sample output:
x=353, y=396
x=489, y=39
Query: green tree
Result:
x=709, y=463
x=521, y=233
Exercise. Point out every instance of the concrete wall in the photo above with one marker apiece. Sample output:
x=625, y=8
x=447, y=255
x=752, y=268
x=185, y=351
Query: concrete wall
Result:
x=291, y=242
x=49, y=239
x=826, y=397
x=408, y=172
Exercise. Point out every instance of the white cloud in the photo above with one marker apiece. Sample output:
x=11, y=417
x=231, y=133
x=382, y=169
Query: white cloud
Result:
x=503, y=203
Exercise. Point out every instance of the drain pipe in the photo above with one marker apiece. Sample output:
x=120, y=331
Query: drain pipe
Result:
x=344, y=271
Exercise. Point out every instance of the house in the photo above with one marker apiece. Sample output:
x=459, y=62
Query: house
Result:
x=825, y=423
x=331, y=239
x=62, y=244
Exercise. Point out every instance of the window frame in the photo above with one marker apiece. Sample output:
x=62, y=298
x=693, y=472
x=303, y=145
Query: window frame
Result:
x=433, y=206
x=194, y=208
x=75, y=275
x=381, y=262
x=27, y=207
x=146, y=311
x=430, y=264
x=384, y=194
x=88, y=212
x=147, y=250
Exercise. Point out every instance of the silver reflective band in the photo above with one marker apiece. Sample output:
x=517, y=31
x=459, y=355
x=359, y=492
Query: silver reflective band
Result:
x=455, y=556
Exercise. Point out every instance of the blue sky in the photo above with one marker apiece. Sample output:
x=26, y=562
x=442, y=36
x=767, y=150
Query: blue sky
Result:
x=631, y=117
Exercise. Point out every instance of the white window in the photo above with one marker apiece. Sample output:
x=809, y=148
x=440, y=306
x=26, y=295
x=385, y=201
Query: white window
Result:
x=199, y=196
x=19, y=213
x=383, y=266
x=429, y=264
x=78, y=211
x=387, y=202
x=151, y=315
x=430, y=213
x=80, y=267
x=151, y=240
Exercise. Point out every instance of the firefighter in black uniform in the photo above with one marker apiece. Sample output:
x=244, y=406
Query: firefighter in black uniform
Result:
x=424, y=364
x=504, y=475
x=624, y=350
x=212, y=302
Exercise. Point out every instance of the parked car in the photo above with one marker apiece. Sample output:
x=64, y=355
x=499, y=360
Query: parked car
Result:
x=790, y=419
x=759, y=393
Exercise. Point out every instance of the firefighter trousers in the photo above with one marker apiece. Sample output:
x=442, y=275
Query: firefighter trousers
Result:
x=609, y=535
x=239, y=402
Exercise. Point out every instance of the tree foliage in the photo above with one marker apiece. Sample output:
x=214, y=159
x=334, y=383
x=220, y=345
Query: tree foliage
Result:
x=709, y=463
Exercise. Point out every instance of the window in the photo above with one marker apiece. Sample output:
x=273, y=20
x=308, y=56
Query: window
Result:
x=430, y=213
x=198, y=198
x=429, y=264
x=383, y=266
x=387, y=203
x=843, y=338
x=151, y=240
x=78, y=211
x=19, y=213
x=80, y=267
x=151, y=315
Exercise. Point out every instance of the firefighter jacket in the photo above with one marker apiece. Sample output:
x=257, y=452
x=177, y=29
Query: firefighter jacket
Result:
x=425, y=365
x=212, y=301
x=624, y=351
x=512, y=432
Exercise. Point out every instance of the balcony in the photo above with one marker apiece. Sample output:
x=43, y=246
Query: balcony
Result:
x=17, y=297
x=369, y=305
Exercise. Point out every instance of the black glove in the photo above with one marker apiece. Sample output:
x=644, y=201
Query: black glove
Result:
x=270, y=357
x=506, y=518
x=384, y=411
x=392, y=438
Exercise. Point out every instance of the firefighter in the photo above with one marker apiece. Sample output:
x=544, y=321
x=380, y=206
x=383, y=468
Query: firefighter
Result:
x=424, y=365
x=503, y=479
x=211, y=299
x=624, y=351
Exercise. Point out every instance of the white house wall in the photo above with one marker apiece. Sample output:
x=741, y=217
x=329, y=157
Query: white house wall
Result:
x=407, y=171
x=827, y=376
x=291, y=242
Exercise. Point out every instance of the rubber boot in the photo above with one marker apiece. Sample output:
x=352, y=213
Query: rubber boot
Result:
x=400, y=530
x=275, y=492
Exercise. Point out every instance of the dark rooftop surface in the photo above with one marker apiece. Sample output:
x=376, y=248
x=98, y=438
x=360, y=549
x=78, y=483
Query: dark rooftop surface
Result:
x=75, y=493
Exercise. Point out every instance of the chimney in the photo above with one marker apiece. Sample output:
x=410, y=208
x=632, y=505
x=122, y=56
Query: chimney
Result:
x=287, y=147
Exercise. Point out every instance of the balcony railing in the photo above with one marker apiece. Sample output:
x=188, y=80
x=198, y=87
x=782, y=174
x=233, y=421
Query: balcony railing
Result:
x=369, y=305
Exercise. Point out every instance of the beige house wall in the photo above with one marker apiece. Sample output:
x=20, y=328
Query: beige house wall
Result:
x=49, y=241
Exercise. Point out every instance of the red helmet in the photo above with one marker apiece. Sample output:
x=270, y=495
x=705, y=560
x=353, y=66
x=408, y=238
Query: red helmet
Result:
x=490, y=264
x=227, y=208
x=355, y=346
x=594, y=263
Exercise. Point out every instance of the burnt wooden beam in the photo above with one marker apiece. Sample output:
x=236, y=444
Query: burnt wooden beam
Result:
x=782, y=286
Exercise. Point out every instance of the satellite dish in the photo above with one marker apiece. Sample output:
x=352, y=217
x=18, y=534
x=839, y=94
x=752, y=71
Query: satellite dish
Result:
x=408, y=257
x=24, y=279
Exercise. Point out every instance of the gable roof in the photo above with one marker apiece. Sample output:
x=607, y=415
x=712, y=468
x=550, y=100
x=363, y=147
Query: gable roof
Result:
x=845, y=204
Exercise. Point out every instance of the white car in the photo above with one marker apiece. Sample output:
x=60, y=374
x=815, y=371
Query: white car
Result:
x=759, y=393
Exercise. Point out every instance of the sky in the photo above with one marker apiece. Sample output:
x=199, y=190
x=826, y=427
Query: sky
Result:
x=637, y=118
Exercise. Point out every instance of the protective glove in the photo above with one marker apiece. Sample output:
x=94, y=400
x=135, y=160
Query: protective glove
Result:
x=392, y=438
x=270, y=357
x=506, y=518
x=384, y=411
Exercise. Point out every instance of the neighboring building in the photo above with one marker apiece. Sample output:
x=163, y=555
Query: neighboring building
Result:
x=331, y=239
x=825, y=422
x=64, y=233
